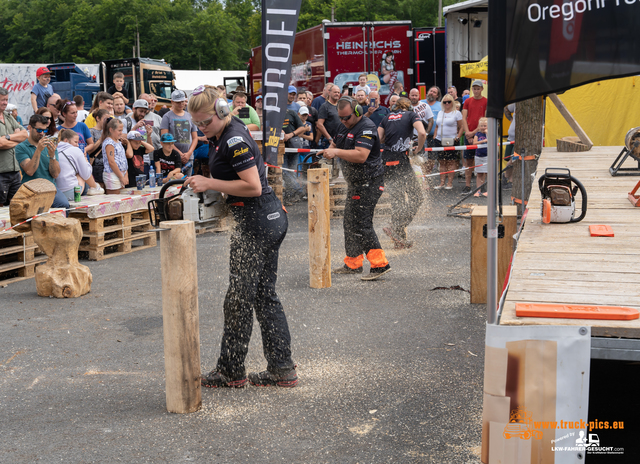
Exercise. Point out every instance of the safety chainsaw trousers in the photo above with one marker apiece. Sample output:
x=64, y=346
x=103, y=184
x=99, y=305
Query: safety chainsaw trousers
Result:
x=253, y=269
x=359, y=236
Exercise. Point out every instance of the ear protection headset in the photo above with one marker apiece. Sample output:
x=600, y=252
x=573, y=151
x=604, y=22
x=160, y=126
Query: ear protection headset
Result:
x=221, y=108
x=355, y=106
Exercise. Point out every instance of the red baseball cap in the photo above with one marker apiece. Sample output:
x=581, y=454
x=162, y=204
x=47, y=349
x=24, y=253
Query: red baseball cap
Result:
x=42, y=70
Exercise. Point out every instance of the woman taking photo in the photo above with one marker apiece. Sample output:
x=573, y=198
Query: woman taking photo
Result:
x=238, y=170
x=447, y=133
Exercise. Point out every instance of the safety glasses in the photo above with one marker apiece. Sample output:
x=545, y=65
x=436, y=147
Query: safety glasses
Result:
x=204, y=123
x=345, y=118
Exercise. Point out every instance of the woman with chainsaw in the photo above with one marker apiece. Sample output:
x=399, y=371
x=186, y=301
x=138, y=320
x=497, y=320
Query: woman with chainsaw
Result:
x=237, y=169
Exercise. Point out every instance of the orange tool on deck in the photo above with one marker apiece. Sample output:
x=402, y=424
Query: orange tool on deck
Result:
x=569, y=311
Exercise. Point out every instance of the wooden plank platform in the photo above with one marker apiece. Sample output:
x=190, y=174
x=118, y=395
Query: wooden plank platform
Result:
x=562, y=263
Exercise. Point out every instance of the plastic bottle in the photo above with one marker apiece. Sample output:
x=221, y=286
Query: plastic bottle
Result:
x=152, y=177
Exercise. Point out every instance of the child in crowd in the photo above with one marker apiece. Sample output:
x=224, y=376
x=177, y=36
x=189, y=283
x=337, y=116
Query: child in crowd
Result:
x=481, y=155
x=74, y=168
x=82, y=113
x=362, y=84
x=140, y=158
x=115, y=159
x=307, y=137
x=41, y=92
x=167, y=159
x=118, y=89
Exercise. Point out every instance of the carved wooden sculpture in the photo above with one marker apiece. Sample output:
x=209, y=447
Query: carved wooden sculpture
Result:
x=61, y=276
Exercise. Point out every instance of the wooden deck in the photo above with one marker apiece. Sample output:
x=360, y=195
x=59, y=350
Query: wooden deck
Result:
x=562, y=263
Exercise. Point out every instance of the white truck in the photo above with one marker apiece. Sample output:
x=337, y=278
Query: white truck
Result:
x=188, y=80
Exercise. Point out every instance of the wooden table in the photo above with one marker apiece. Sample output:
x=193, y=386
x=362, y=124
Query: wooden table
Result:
x=562, y=263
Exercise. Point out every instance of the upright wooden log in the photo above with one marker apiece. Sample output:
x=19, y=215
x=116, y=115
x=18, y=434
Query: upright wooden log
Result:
x=180, y=316
x=319, y=228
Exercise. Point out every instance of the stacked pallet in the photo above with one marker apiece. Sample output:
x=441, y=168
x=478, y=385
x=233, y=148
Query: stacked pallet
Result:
x=114, y=235
x=19, y=256
x=338, y=197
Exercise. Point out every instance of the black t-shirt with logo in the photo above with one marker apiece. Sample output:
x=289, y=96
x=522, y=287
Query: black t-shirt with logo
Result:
x=363, y=135
x=329, y=113
x=398, y=129
x=136, y=165
x=291, y=122
x=167, y=163
x=236, y=151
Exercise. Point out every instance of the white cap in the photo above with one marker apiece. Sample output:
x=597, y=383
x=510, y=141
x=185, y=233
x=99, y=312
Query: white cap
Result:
x=303, y=110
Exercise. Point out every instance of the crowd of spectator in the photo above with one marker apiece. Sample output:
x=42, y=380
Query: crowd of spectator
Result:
x=121, y=138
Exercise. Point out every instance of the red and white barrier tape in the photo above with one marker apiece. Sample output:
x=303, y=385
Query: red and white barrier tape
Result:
x=73, y=209
x=461, y=147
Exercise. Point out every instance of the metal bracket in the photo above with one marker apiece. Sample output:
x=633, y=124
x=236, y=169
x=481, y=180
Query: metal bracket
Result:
x=500, y=231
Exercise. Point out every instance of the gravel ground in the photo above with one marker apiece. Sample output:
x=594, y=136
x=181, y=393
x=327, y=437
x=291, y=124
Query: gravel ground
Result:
x=390, y=371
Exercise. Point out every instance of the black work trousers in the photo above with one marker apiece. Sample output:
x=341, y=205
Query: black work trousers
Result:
x=359, y=235
x=253, y=269
x=9, y=185
x=405, y=192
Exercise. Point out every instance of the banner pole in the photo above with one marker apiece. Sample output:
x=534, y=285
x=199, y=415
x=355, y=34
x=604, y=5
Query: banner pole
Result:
x=492, y=231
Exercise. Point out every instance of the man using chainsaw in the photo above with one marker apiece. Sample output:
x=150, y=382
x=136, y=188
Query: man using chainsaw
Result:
x=395, y=132
x=356, y=144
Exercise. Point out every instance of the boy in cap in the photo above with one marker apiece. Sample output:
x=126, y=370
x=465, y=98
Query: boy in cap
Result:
x=139, y=162
x=307, y=137
x=177, y=122
x=41, y=92
x=167, y=159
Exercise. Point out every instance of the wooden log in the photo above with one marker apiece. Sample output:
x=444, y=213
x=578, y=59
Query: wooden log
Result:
x=570, y=145
x=33, y=197
x=180, y=316
x=584, y=138
x=61, y=276
x=479, y=251
x=319, y=228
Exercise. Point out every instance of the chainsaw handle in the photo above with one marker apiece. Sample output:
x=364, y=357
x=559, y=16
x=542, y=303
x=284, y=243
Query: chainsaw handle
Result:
x=583, y=194
x=169, y=184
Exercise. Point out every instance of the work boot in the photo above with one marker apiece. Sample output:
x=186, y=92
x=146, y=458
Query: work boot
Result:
x=376, y=272
x=267, y=379
x=215, y=379
x=347, y=270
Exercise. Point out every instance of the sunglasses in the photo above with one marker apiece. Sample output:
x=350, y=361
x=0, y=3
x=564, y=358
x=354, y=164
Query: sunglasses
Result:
x=40, y=131
x=447, y=102
x=346, y=118
x=204, y=123
x=198, y=90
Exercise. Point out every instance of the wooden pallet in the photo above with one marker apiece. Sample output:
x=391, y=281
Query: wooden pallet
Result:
x=19, y=255
x=218, y=225
x=118, y=247
x=111, y=236
x=338, y=198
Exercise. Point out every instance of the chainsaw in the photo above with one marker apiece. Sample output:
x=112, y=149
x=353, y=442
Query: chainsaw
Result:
x=201, y=208
x=558, y=189
x=316, y=160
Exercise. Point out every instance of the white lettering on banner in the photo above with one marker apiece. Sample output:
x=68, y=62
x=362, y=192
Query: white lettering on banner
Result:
x=269, y=107
x=281, y=12
x=282, y=31
x=277, y=82
x=569, y=9
x=282, y=59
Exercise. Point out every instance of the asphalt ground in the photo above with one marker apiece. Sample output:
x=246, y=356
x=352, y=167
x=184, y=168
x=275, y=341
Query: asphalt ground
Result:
x=390, y=370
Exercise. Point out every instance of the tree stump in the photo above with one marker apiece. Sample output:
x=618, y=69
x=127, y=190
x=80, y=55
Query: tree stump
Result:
x=33, y=197
x=61, y=276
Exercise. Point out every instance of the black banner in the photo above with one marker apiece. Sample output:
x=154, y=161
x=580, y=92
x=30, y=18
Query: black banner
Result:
x=279, y=23
x=553, y=45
